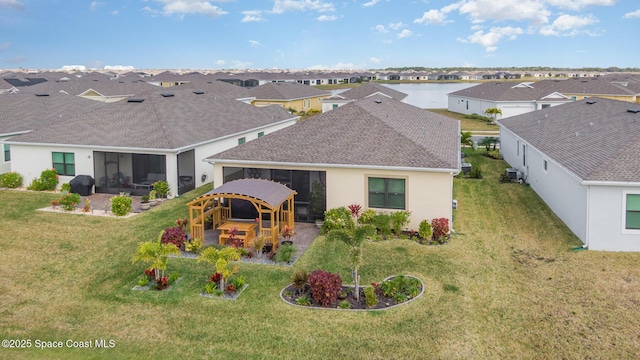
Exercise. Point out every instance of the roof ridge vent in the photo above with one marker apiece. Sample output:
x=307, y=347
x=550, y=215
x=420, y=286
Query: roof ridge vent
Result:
x=135, y=100
x=591, y=102
x=198, y=92
x=41, y=95
x=634, y=111
x=167, y=95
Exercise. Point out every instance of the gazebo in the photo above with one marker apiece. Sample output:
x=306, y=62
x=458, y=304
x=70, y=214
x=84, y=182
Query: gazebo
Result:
x=268, y=197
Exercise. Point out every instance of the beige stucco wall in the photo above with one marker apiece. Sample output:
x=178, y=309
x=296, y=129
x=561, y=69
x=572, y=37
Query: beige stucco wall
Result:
x=428, y=194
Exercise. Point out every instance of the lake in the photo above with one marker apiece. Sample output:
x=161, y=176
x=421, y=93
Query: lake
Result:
x=425, y=95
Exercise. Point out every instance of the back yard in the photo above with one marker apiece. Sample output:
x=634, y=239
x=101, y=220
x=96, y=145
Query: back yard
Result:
x=507, y=285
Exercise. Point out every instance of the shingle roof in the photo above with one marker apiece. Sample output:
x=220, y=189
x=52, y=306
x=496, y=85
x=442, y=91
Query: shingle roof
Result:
x=596, y=142
x=368, y=89
x=159, y=122
x=375, y=132
x=286, y=91
x=25, y=112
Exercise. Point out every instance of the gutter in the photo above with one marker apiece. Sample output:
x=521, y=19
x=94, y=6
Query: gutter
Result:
x=322, y=165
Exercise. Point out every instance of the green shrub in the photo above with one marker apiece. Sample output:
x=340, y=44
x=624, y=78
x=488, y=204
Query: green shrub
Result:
x=383, y=223
x=399, y=219
x=285, y=253
x=47, y=181
x=65, y=187
x=334, y=219
x=476, y=172
x=344, y=304
x=303, y=300
x=237, y=281
x=120, y=205
x=69, y=201
x=370, y=297
x=425, y=231
x=11, y=180
x=367, y=216
x=494, y=154
x=478, y=117
x=162, y=188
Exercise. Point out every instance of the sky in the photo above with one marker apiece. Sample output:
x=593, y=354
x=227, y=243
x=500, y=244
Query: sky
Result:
x=318, y=34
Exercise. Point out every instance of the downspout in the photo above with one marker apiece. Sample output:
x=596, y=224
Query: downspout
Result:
x=586, y=238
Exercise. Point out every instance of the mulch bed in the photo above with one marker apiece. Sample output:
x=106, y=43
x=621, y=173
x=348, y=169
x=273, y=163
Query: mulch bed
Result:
x=290, y=294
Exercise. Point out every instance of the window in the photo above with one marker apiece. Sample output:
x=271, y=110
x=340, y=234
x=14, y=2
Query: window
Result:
x=386, y=193
x=7, y=153
x=544, y=106
x=524, y=155
x=518, y=148
x=242, y=140
x=335, y=106
x=545, y=165
x=261, y=134
x=64, y=163
x=633, y=212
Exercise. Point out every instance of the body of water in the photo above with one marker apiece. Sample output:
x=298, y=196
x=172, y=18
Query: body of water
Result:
x=425, y=95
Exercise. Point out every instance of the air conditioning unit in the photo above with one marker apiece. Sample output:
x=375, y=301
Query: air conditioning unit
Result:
x=514, y=174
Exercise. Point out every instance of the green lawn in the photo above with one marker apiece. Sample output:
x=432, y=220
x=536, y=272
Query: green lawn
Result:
x=507, y=285
x=467, y=124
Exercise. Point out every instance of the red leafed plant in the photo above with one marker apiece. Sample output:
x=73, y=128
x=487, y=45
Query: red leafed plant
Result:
x=287, y=232
x=355, y=210
x=162, y=283
x=182, y=223
x=234, y=241
x=325, y=287
x=215, y=277
x=174, y=235
x=230, y=288
x=440, y=228
x=150, y=273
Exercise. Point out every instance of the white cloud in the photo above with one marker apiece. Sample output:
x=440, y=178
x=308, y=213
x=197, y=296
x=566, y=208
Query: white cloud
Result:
x=381, y=28
x=491, y=39
x=396, y=26
x=254, y=43
x=94, y=5
x=4, y=46
x=15, y=4
x=370, y=3
x=568, y=25
x=374, y=60
x=281, y=6
x=220, y=62
x=579, y=4
x=432, y=17
x=404, y=34
x=252, y=16
x=632, y=15
x=184, y=7
x=516, y=10
x=114, y=12
x=327, y=18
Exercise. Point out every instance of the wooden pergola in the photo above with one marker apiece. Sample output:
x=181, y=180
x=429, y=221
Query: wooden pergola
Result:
x=268, y=197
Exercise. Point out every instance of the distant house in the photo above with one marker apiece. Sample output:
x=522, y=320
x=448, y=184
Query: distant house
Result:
x=360, y=92
x=377, y=152
x=127, y=145
x=294, y=96
x=511, y=98
x=582, y=159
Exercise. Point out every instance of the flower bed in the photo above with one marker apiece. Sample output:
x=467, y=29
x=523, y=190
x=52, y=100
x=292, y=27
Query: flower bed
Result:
x=387, y=295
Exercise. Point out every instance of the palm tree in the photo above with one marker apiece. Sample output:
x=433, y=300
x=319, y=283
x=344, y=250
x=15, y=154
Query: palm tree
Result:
x=220, y=259
x=156, y=253
x=466, y=139
x=493, y=112
x=354, y=236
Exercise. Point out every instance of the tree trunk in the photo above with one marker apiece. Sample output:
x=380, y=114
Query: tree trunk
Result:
x=357, y=284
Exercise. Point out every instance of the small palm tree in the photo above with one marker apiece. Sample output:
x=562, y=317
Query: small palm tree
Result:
x=156, y=253
x=220, y=259
x=354, y=236
x=466, y=139
x=493, y=112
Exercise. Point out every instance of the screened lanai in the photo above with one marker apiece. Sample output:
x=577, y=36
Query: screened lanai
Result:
x=273, y=202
